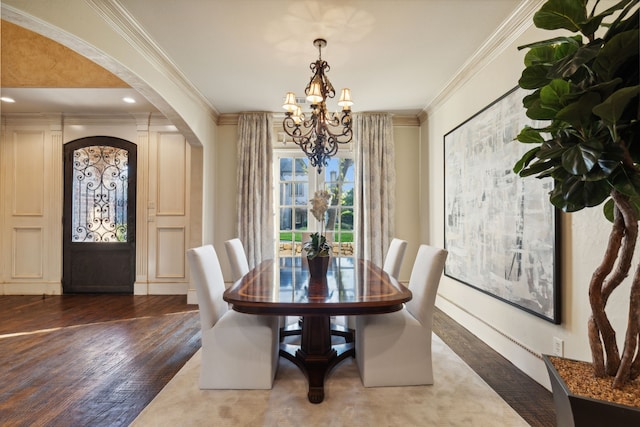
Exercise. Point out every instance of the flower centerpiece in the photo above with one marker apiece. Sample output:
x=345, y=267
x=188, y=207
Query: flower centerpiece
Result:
x=318, y=249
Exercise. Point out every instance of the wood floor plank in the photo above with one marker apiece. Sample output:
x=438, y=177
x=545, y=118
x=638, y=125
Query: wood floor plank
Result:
x=531, y=400
x=89, y=360
x=75, y=364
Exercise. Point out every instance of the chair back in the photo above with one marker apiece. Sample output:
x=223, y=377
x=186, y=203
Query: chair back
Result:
x=393, y=258
x=425, y=278
x=206, y=275
x=237, y=258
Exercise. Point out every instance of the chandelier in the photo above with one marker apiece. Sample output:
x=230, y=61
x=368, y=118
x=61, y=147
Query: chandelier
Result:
x=319, y=132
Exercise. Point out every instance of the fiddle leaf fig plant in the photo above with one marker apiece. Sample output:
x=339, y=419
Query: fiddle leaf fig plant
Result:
x=585, y=89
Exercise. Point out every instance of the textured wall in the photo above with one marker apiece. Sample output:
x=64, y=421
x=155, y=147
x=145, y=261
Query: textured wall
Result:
x=30, y=60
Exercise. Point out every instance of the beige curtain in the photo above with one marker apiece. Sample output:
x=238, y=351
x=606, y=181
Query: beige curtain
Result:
x=375, y=184
x=255, y=197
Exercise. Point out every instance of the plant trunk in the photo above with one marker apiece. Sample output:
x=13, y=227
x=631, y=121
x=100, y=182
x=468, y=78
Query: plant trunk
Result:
x=605, y=279
x=630, y=354
x=602, y=336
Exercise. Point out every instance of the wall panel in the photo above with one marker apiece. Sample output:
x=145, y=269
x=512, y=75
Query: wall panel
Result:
x=170, y=247
x=28, y=246
x=168, y=212
x=28, y=173
x=171, y=174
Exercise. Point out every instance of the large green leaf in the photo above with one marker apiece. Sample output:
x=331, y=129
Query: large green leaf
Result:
x=528, y=100
x=534, y=77
x=529, y=135
x=595, y=174
x=607, y=210
x=611, y=159
x=608, y=207
x=556, y=14
x=540, y=55
x=616, y=52
x=524, y=160
x=612, y=108
x=627, y=181
x=551, y=150
x=579, y=194
x=551, y=95
x=549, y=173
x=558, y=199
x=567, y=47
x=593, y=23
x=536, y=167
x=604, y=89
x=579, y=159
x=569, y=65
x=537, y=112
x=579, y=113
x=555, y=42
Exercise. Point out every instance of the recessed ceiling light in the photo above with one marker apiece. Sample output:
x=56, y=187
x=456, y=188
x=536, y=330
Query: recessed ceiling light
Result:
x=129, y=100
x=7, y=99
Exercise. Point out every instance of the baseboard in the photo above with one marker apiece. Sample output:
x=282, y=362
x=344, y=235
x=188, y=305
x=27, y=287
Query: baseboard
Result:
x=55, y=288
x=35, y=288
x=527, y=360
x=192, y=297
x=160, y=288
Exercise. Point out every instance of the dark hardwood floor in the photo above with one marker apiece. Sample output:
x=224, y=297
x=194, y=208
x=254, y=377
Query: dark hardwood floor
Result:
x=88, y=360
x=84, y=360
x=532, y=401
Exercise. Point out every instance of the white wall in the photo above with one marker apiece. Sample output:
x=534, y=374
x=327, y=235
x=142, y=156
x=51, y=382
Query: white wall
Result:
x=226, y=189
x=517, y=335
x=407, y=223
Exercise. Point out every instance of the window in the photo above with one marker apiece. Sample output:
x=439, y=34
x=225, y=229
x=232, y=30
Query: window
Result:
x=296, y=183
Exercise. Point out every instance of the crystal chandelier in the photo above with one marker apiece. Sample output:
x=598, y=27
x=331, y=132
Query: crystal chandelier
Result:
x=319, y=133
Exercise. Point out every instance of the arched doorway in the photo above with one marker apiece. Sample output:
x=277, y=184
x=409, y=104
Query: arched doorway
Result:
x=99, y=228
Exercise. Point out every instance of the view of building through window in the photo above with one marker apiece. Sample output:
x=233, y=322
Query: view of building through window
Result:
x=297, y=183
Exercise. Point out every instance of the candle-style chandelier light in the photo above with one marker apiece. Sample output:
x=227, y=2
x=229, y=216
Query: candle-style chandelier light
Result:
x=319, y=133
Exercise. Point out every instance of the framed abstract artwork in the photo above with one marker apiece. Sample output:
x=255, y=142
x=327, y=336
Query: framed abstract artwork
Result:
x=501, y=231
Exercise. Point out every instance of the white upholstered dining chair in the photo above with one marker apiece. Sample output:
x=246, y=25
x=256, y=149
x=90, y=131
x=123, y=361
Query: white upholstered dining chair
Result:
x=394, y=257
x=240, y=267
x=394, y=349
x=392, y=263
x=237, y=258
x=239, y=351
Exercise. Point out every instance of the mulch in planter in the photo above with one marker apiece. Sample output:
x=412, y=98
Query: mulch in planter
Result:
x=580, y=380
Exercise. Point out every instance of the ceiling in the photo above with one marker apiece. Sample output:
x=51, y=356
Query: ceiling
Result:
x=243, y=55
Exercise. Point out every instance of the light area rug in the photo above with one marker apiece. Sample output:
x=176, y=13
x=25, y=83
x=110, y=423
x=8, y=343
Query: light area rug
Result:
x=459, y=397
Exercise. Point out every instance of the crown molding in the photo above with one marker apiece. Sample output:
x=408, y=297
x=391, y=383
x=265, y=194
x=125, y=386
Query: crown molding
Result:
x=228, y=119
x=516, y=24
x=140, y=120
x=399, y=120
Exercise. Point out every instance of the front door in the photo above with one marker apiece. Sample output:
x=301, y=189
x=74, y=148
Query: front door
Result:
x=99, y=215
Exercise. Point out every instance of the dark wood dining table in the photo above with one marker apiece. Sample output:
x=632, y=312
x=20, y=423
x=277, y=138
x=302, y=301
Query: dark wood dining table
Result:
x=284, y=288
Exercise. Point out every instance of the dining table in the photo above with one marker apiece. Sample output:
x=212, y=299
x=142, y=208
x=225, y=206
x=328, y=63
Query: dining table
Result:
x=283, y=287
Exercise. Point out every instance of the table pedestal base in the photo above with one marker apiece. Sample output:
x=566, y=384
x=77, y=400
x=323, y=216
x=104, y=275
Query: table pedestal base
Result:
x=315, y=356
